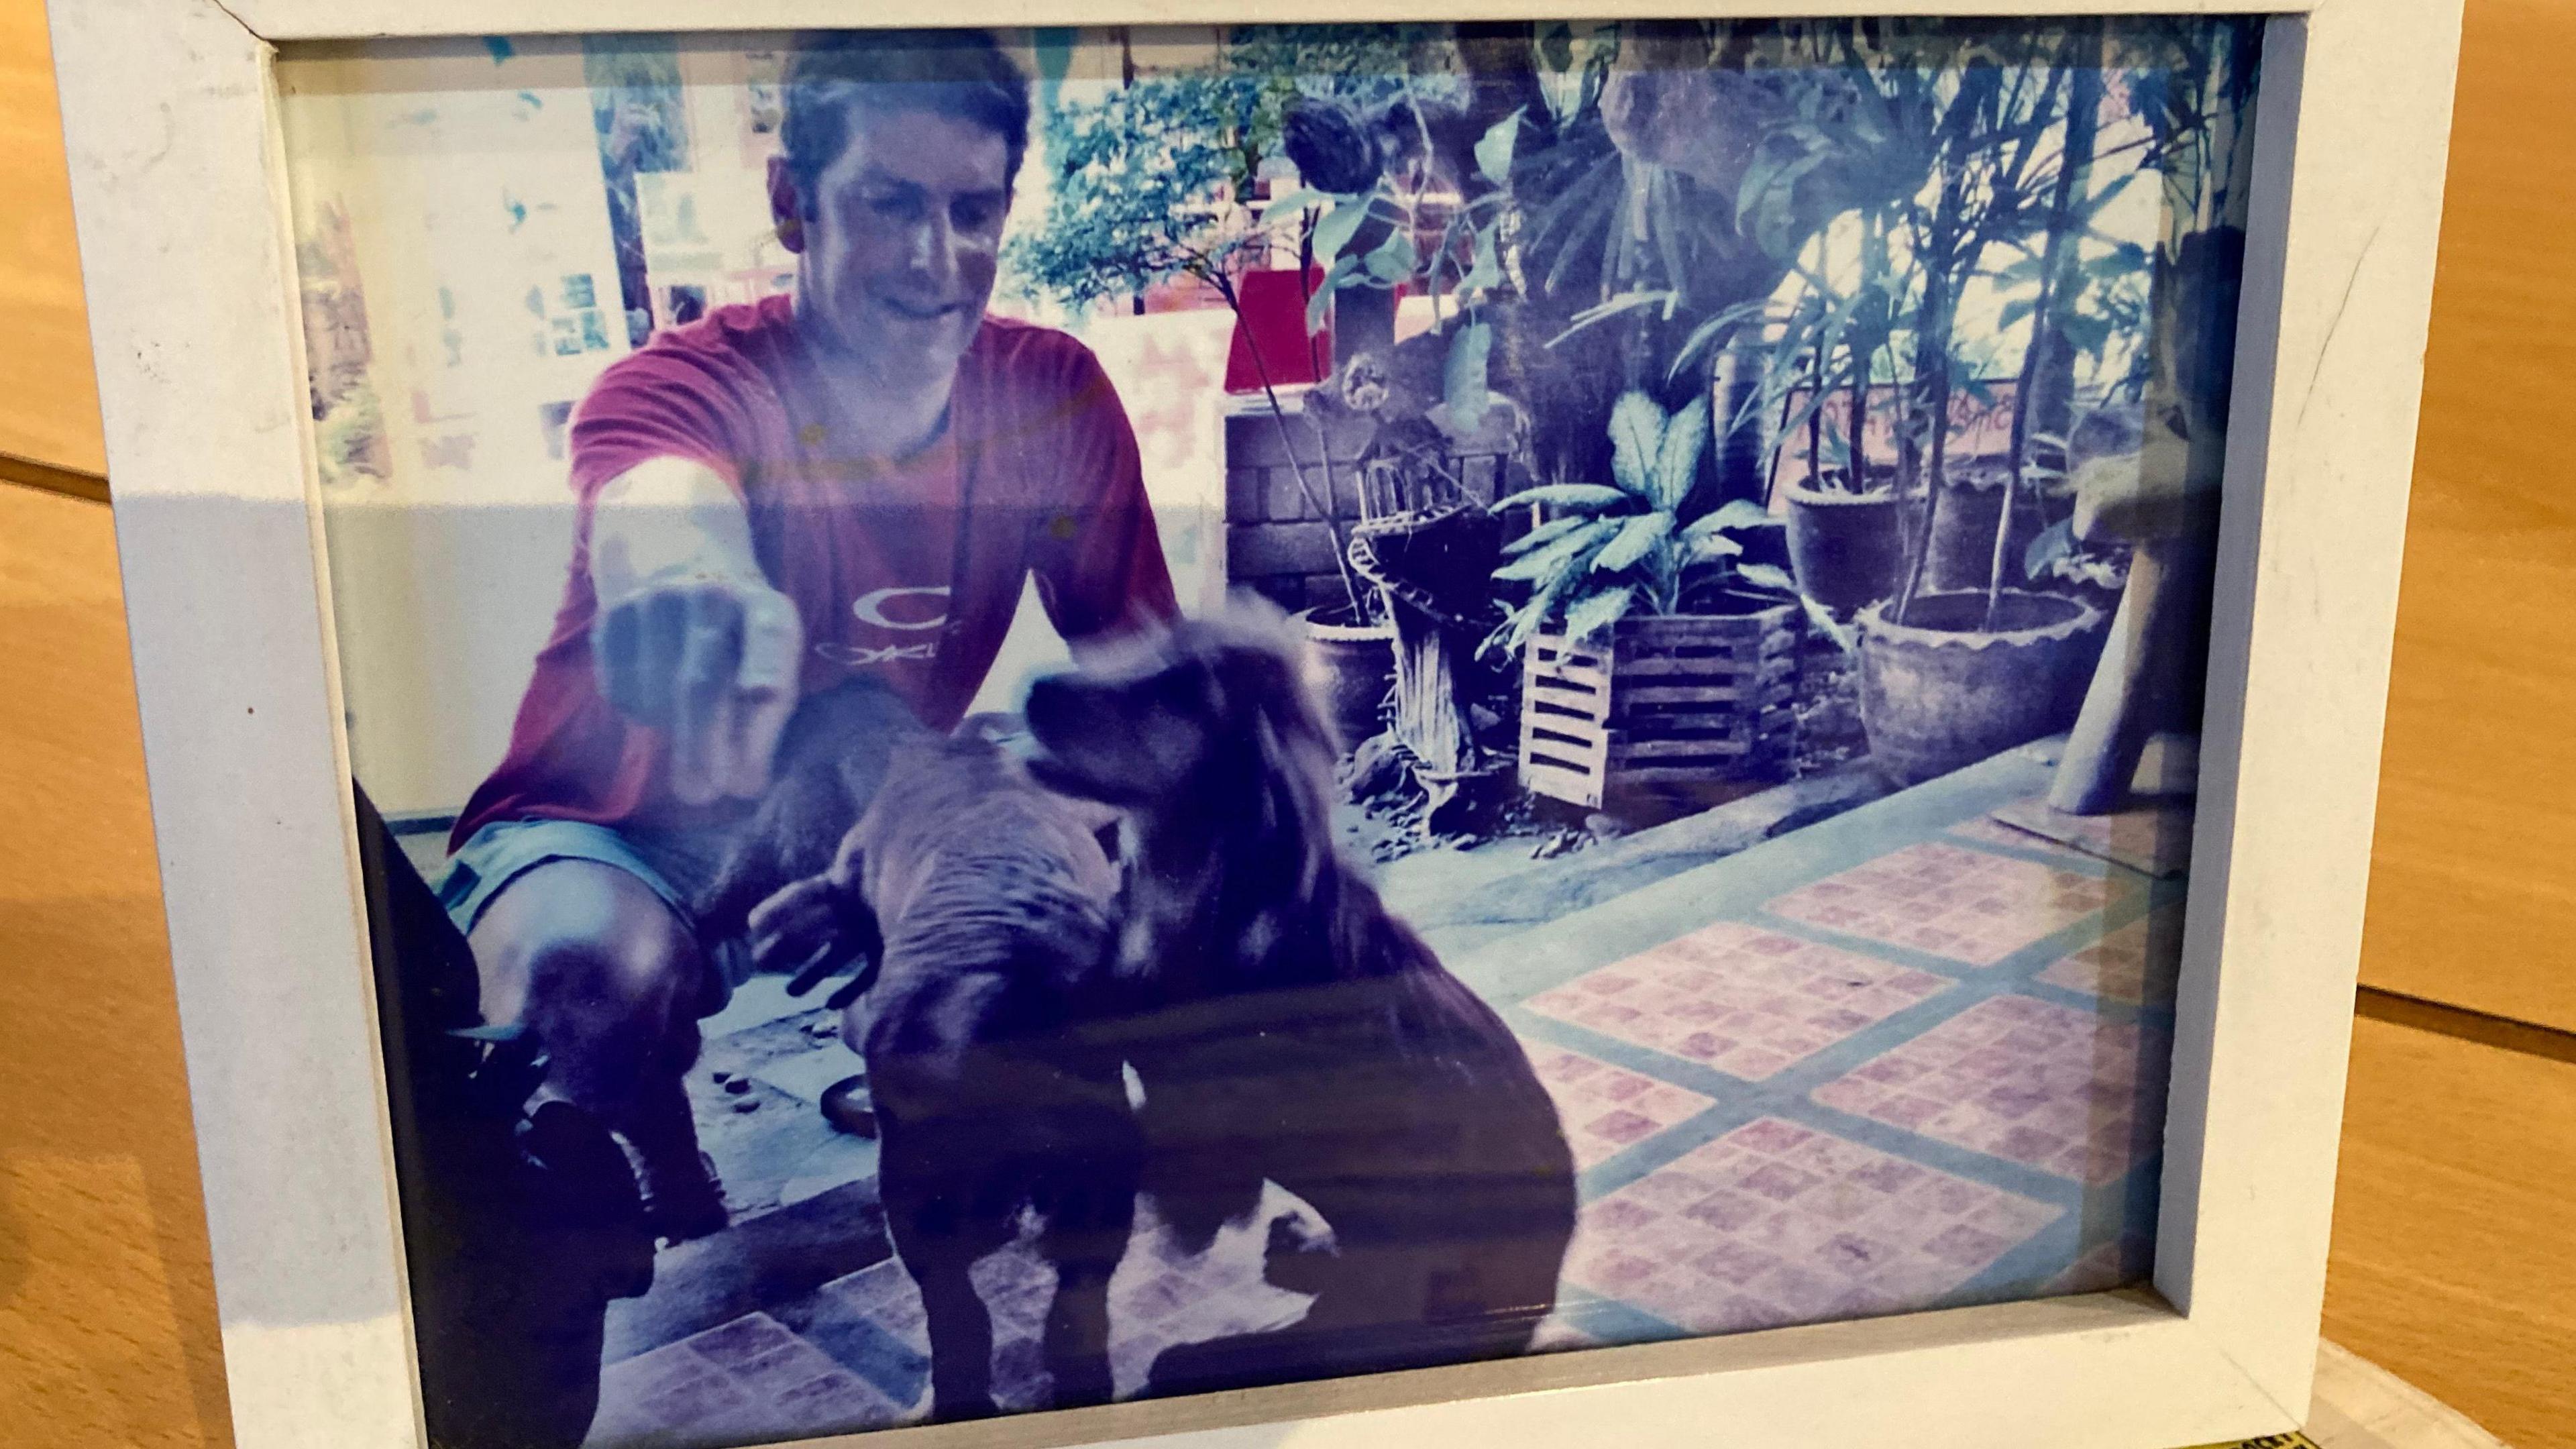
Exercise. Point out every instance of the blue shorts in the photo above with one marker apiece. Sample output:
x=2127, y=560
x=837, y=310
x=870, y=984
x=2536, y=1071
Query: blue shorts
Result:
x=674, y=865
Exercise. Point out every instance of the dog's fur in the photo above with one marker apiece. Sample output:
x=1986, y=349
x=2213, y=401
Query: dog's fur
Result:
x=1286, y=1027
x=831, y=759
x=991, y=898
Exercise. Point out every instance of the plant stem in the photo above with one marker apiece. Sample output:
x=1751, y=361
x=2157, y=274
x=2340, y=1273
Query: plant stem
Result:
x=2052, y=261
x=1932, y=366
x=1815, y=419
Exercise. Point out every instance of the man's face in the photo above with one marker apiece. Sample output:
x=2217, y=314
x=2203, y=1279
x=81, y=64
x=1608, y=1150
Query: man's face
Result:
x=901, y=245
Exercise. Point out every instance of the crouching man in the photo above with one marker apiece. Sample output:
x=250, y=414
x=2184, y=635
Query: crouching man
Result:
x=859, y=477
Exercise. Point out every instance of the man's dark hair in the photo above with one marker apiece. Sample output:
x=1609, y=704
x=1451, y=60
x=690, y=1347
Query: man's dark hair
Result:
x=963, y=74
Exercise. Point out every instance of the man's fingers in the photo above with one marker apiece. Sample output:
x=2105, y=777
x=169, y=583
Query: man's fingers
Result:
x=662, y=621
x=616, y=643
x=710, y=649
x=796, y=913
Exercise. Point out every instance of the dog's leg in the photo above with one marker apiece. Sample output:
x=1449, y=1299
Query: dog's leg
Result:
x=1086, y=1236
x=939, y=1250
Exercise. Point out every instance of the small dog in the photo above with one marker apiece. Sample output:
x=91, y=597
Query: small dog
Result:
x=1285, y=1026
x=984, y=901
x=831, y=759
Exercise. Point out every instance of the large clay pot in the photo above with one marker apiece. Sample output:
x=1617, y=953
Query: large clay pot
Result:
x=1941, y=691
x=1358, y=666
x=1848, y=548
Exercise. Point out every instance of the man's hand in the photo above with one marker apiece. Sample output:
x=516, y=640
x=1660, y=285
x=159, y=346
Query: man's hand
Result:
x=689, y=638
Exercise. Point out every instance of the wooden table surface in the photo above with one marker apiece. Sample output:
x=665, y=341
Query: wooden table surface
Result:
x=2454, y=1260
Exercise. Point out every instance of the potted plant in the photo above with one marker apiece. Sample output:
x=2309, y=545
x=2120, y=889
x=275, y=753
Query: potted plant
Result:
x=1951, y=676
x=1148, y=186
x=1846, y=533
x=1654, y=657
x=1956, y=661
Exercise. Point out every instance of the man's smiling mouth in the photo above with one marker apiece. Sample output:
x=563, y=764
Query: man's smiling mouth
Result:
x=919, y=313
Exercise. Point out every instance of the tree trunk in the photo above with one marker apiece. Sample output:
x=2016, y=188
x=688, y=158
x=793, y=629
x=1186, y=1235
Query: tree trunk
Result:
x=2052, y=384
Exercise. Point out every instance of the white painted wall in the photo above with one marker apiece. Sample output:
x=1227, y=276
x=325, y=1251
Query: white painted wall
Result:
x=470, y=178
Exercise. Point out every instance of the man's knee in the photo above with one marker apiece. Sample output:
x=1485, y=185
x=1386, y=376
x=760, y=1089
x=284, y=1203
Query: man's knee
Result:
x=627, y=978
x=587, y=946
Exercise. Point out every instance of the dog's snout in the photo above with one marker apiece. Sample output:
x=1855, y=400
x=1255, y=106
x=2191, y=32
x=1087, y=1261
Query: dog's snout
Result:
x=1054, y=705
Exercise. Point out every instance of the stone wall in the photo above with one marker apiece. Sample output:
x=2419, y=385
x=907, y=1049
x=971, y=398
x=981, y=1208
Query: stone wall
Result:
x=1277, y=541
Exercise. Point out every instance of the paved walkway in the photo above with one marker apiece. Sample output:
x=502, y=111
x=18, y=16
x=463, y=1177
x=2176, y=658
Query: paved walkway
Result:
x=1909, y=1057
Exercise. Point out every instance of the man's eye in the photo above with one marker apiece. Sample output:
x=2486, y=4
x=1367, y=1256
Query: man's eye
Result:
x=894, y=205
x=975, y=215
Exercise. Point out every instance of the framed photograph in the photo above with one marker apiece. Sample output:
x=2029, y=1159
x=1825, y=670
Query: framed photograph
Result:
x=1562, y=724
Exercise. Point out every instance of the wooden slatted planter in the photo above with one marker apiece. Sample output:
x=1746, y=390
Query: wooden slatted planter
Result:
x=1662, y=703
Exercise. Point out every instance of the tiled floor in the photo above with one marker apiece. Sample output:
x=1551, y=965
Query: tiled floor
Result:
x=1909, y=1057
x=1965, y=905
x=2027, y=1081
x=1745, y=1001
x=1775, y=1223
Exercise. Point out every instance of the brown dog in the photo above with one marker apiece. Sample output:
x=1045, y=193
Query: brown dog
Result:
x=985, y=902
x=1286, y=1027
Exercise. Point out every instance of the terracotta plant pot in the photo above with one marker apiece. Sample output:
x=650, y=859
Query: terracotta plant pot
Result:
x=1848, y=549
x=1358, y=666
x=1941, y=692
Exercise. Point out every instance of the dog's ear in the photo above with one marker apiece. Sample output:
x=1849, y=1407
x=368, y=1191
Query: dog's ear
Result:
x=1270, y=688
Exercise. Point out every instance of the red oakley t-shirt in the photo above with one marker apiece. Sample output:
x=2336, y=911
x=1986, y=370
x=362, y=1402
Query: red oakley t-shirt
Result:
x=910, y=569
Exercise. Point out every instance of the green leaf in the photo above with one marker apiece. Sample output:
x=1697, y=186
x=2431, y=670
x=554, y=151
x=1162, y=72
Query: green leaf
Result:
x=1591, y=497
x=1548, y=532
x=1334, y=278
x=1463, y=385
x=1738, y=513
x=1334, y=231
x=1636, y=437
x=1710, y=547
x=1677, y=461
x=1710, y=331
x=1298, y=200
x=1767, y=576
x=1624, y=302
x=1565, y=556
x=1494, y=149
x=1487, y=272
x=1395, y=258
x=1635, y=540
x=2054, y=542
x=1599, y=612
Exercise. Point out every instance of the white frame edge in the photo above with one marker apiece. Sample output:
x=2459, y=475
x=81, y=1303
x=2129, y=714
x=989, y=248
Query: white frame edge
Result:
x=178, y=180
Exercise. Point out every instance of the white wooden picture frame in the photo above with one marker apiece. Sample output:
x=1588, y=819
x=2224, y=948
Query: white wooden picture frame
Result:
x=178, y=175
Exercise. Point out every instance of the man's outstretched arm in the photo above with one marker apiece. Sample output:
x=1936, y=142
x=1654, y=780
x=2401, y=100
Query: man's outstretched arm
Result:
x=691, y=638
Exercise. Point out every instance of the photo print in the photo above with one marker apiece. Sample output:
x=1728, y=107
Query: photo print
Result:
x=1055, y=716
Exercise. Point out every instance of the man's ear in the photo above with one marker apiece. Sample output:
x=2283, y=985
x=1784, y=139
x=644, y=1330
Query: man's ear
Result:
x=786, y=205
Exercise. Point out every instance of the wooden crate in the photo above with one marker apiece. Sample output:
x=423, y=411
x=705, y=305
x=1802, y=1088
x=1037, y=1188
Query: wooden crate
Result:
x=1663, y=702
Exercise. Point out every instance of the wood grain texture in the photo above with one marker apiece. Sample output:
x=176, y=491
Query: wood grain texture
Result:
x=48, y=395
x=107, y=1311
x=2453, y=1264
x=2474, y=870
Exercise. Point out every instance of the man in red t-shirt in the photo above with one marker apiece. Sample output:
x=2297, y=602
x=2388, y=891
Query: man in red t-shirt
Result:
x=857, y=478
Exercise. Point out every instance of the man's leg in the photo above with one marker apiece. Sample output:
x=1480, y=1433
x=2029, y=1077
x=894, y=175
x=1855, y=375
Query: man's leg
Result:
x=594, y=962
